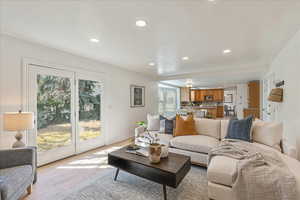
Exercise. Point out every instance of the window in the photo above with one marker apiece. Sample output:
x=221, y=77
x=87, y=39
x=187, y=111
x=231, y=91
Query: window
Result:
x=168, y=100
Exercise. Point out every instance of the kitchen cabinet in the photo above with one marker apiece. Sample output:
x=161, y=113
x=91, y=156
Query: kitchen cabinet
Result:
x=199, y=95
x=196, y=95
x=253, y=94
x=253, y=100
x=220, y=111
x=219, y=95
x=185, y=94
x=193, y=95
x=252, y=111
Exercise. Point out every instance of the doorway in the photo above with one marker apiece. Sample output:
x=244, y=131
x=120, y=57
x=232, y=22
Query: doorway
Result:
x=68, y=109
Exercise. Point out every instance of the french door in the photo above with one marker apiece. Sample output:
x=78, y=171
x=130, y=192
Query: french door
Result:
x=89, y=122
x=67, y=107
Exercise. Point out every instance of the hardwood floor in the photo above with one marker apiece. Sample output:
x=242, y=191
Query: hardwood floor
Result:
x=57, y=177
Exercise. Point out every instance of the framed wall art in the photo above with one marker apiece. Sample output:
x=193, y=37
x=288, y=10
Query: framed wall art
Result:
x=137, y=96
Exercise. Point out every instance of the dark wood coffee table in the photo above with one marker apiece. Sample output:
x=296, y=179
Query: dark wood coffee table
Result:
x=169, y=172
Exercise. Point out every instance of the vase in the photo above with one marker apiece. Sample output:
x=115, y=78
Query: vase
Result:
x=164, y=151
x=154, y=153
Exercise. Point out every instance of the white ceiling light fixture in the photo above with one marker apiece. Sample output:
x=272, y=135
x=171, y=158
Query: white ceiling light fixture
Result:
x=95, y=40
x=189, y=83
x=140, y=23
x=185, y=58
x=226, y=51
x=151, y=64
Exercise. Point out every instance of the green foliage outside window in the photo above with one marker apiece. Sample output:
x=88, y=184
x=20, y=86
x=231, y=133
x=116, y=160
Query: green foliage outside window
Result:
x=54, y=96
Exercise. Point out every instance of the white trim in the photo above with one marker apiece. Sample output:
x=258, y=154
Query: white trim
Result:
x=95, y=75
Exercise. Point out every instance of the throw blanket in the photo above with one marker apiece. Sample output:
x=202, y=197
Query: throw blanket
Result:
x=261, y=173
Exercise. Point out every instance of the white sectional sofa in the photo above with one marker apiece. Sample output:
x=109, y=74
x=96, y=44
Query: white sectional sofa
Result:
x=196, y=146
x=222, y=172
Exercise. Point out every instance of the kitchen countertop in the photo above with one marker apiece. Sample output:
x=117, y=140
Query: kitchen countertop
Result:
x=200, y=107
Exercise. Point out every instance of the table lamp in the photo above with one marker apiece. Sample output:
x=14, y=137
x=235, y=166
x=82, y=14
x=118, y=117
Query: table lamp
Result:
x=18, y=121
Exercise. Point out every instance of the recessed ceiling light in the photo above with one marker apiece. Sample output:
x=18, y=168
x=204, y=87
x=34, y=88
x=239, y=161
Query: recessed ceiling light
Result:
x=227, y=51
x=152, y=64
x=189, y=81
x=141, y=23
x=211, y=0
x=95, y=40
x=185, y=58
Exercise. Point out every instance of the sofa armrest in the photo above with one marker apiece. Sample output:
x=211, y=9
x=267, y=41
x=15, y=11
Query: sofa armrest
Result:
x=19, y=157
x=291, y=152
x=138, y=131
x=288, y=149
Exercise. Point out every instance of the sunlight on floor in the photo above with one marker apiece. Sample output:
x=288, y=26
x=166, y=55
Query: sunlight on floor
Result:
x=92, y=161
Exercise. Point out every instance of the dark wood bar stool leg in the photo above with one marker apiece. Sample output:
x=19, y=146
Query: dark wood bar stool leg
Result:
x=117, y=173
x=165, y=192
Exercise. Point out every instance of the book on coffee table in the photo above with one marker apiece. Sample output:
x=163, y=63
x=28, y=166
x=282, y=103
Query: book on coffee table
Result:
x=140, y=152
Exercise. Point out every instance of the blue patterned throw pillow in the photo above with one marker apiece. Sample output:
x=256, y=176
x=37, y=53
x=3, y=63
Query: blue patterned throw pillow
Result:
x=240, y=129
x=168, y=124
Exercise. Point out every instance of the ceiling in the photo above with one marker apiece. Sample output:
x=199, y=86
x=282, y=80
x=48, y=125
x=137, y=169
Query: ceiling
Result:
x=255, y=31
x=215, y=79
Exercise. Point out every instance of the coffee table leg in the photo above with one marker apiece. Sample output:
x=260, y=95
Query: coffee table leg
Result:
x=116, y=175
x=165, y=192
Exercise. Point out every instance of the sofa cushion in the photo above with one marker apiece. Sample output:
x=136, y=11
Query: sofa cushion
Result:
x=16, y=178
x=185, y=126
x=268, y=133
x=240, y=129
x=222, y=170
x=209, y=127
x=195, y=143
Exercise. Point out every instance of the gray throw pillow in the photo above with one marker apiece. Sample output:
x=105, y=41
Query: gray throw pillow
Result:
x=240, y=129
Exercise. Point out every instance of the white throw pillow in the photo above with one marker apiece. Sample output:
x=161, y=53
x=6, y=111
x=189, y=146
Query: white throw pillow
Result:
x=268, y=133
x=153, y=122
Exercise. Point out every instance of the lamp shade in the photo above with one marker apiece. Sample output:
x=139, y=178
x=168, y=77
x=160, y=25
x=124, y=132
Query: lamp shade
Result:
x=276, y=95
x=18, y=121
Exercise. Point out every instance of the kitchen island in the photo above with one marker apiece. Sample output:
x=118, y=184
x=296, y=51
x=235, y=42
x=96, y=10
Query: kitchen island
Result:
x=212, y=112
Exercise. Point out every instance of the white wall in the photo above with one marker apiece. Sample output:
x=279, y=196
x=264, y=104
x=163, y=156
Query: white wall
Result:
x=120, y=118
x=241, y=99
x=286, y=66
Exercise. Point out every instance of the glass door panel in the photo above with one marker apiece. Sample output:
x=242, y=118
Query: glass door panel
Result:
x=89, y=109
x=89, y=113
x=54, y=128
x=51, y=98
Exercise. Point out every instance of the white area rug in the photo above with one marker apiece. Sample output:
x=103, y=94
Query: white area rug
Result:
x=131, y=187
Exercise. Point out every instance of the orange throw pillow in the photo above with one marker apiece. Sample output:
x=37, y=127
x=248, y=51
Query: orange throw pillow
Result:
x=184, y=127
